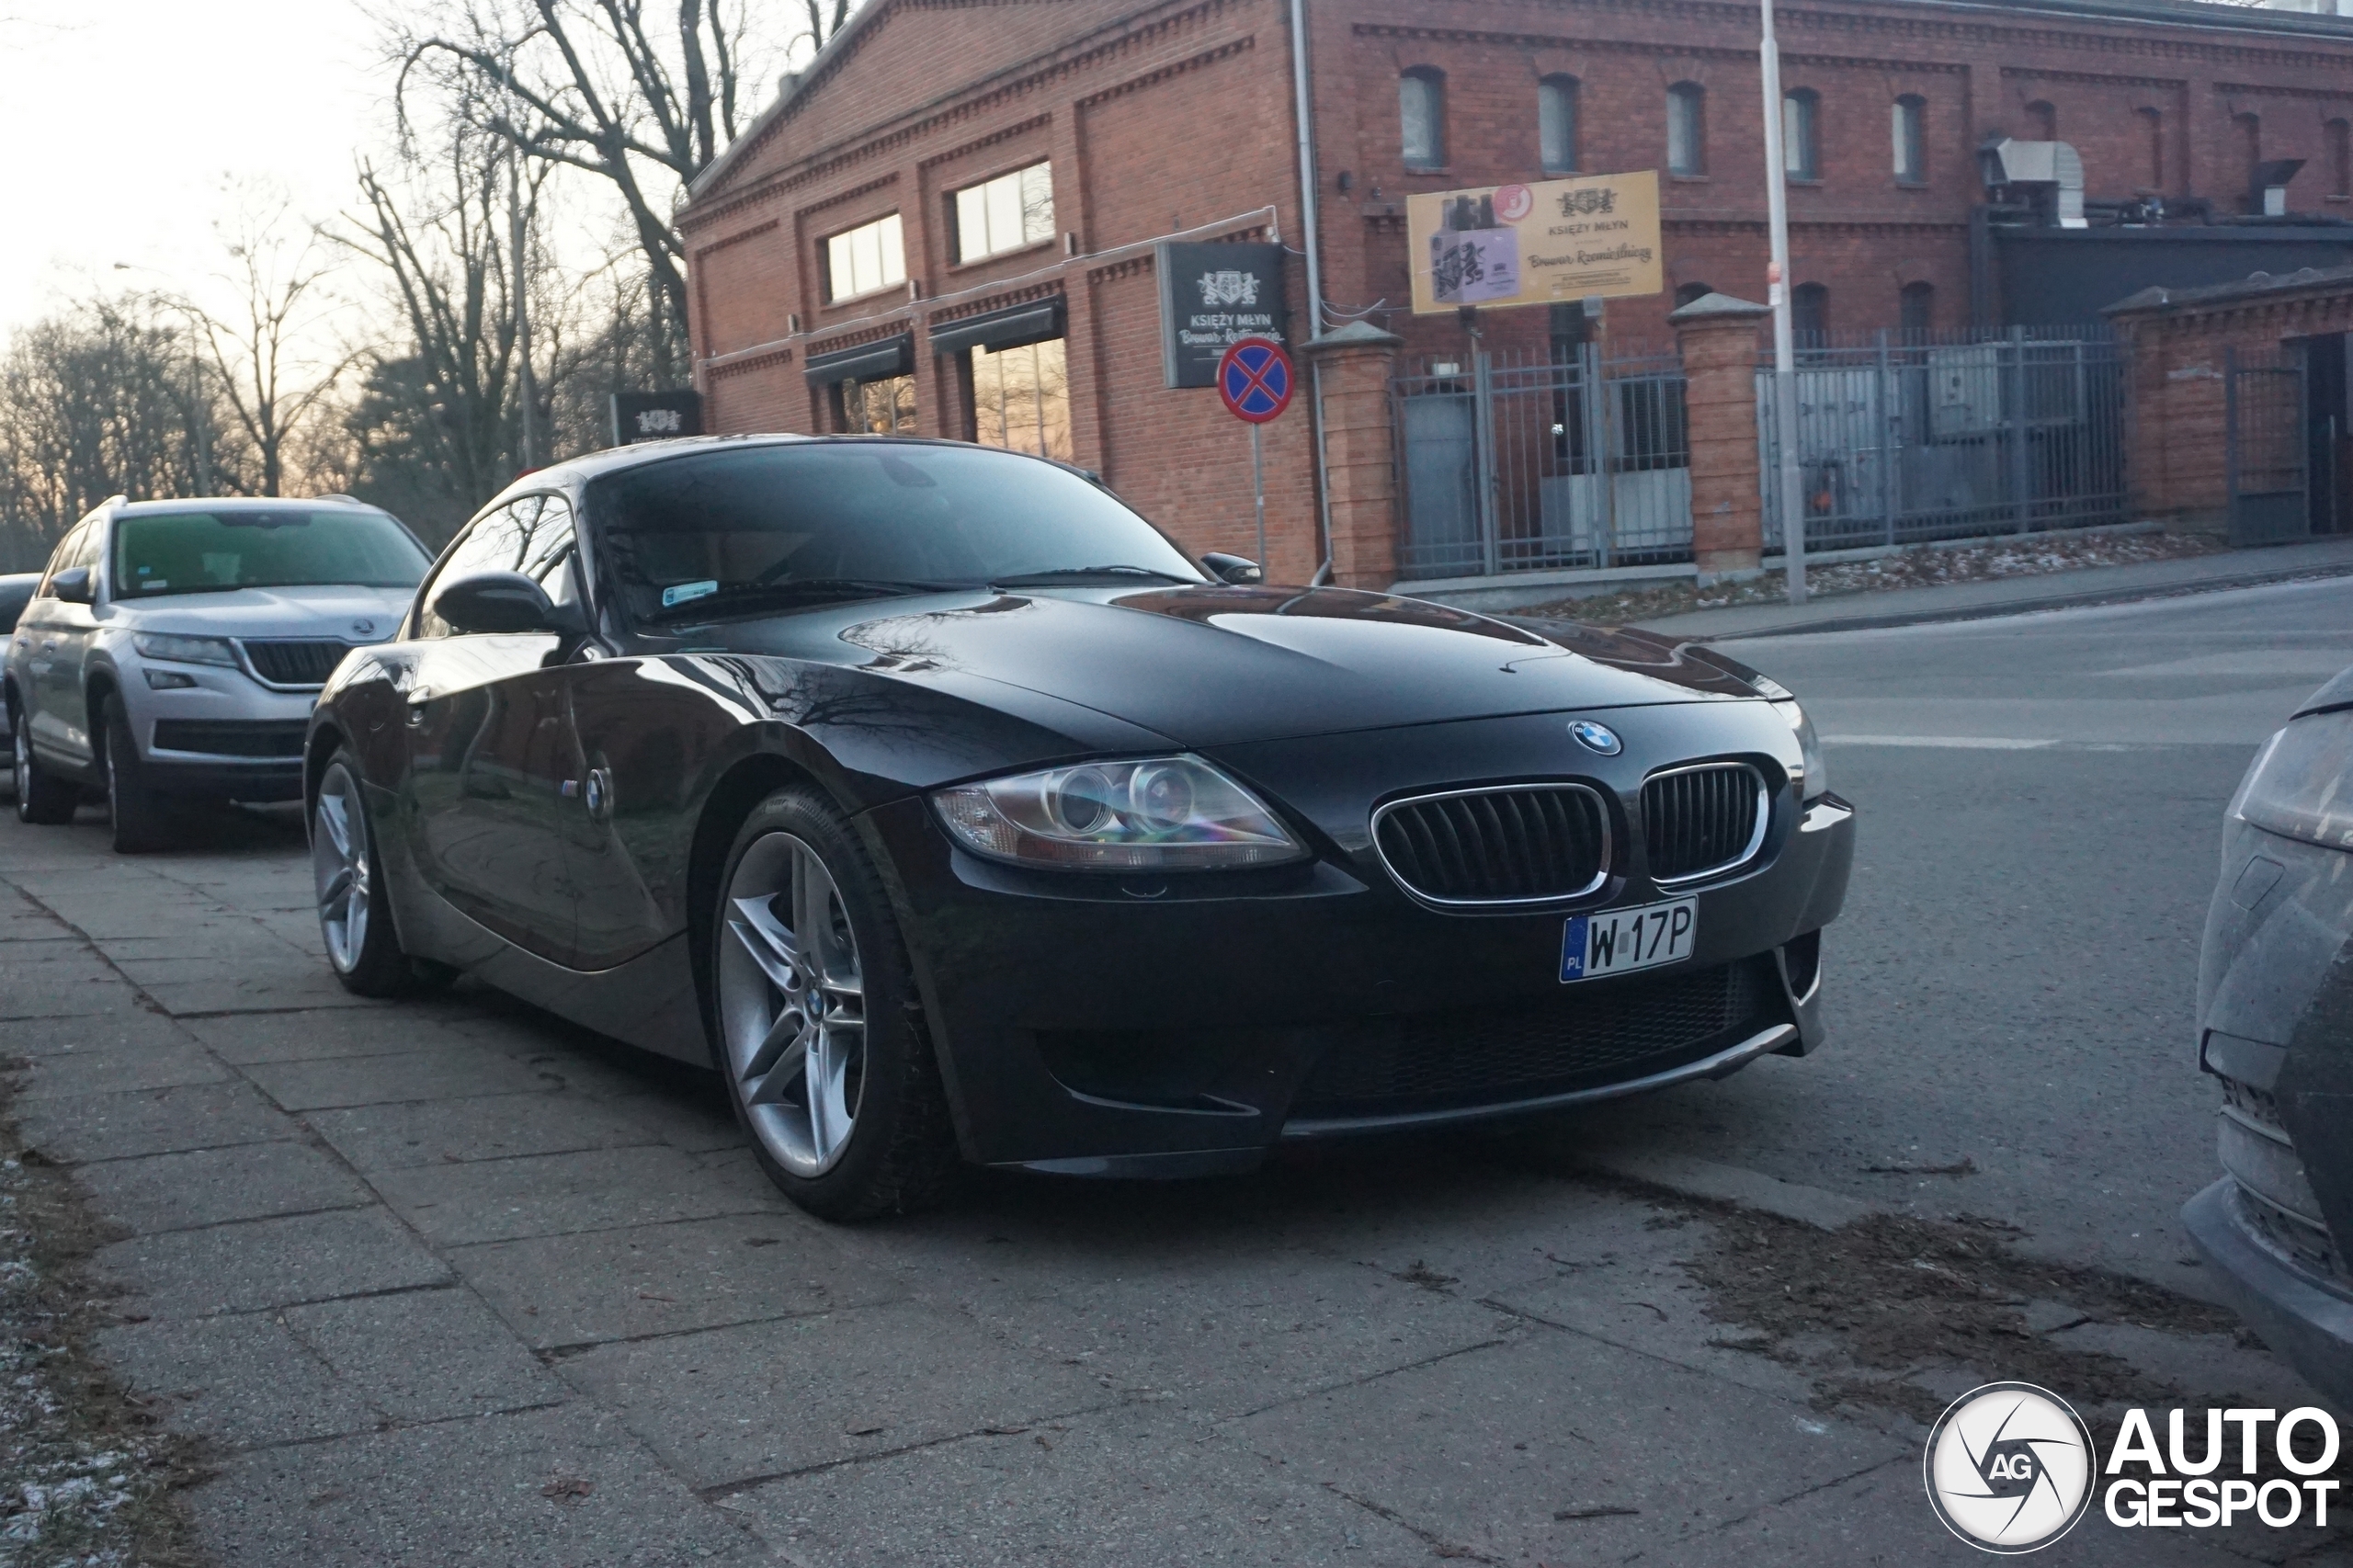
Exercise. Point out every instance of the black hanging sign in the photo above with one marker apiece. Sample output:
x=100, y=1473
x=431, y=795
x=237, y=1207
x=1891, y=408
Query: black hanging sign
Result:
x=1212, y=297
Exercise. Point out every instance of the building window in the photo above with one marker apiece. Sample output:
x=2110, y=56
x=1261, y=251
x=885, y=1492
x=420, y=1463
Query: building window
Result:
x=1021, y=399
x=2153, y=129
x=2041, y=122
x=2250, y=130
x=2340, y=158
x=871, y=257
x=1810, y=314
x=1907, y=129
x=1917, y=310
x=1800, y=146
x=882, y=407
x=1556, y=123
x=1691, y=293
x=1421, y=109
x=1005, y=214
x=1686, y=128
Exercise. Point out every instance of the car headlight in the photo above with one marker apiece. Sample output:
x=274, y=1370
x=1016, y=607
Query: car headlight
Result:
x=2299, y=785
x=1813, y=778
x=1164, y=813
x=186, y=650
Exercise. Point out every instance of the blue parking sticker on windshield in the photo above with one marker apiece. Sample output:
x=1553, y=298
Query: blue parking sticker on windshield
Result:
x=1573, y=950
x=684, y=591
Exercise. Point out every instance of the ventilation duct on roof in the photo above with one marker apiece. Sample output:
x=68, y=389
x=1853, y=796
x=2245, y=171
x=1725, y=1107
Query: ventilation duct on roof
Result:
x=2054, y=166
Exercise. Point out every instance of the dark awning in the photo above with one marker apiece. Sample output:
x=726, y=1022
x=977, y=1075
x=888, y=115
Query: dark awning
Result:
x=1033, y=320
x=872, y=361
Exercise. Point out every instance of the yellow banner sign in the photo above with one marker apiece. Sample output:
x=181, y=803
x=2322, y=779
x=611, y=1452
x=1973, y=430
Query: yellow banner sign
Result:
x=1530, y=245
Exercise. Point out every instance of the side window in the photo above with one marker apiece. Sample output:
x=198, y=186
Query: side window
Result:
x=63, y=557
x=550, y=560
x=493, y=543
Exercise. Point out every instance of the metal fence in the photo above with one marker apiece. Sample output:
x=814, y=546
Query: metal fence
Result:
x=1523, y=463
x=1906, y=436
x=2266, y=443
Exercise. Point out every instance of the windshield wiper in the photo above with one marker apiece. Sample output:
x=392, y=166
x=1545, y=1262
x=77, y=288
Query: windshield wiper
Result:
x=1079, y=574
x=797, y=590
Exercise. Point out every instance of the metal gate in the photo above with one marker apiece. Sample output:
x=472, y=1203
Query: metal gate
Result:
x=1909, y=437
x=1511, y=463
x=2265, y=449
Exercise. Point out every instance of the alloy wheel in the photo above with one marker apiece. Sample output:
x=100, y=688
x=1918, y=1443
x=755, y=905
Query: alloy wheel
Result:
x=793, y=1004
x=21, y=760
x=339, y=868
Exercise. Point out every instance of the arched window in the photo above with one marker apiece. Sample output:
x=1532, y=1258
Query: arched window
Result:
x=1801, y=140
x=2340, y=158
x=2153, y=129
x=1917, y=310
x=1690, y=293
x=2250, y=130
x=1686, y=128
x=1908, y=131
x=1810, y=314
x=2041, y=122
x=1421, y=109
x=1556, y=124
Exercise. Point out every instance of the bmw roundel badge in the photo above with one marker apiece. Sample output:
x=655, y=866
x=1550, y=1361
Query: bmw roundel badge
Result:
x=1596, y=737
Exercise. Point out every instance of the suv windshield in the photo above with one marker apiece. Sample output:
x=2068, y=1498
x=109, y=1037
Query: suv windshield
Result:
x=762, y=529
x=262, y=547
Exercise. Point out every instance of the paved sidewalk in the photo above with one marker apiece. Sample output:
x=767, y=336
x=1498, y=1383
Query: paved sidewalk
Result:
x=2011, y=595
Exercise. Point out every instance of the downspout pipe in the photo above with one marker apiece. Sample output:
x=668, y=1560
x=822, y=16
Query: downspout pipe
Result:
x=1309, y=209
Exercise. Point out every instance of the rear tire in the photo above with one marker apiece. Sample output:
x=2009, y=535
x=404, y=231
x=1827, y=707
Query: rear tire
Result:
x=813, y=1011
x=141, y=818
x=355, y=916
x=42, y=797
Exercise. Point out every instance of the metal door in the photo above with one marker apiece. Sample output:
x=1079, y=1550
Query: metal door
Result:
x=2265, y=452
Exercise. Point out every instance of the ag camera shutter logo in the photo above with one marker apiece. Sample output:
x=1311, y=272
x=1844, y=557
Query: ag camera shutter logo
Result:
x=2009, y=1468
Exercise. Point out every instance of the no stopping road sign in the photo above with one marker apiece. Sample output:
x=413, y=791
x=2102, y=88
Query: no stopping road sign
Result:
x=1253, y=380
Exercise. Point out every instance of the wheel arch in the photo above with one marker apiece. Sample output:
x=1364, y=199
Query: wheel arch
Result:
x=744, y=784
x=326, y=738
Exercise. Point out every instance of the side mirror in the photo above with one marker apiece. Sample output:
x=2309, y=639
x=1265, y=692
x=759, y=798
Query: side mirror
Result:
x=477, y=602
x=73, y=585
x=1233, y=568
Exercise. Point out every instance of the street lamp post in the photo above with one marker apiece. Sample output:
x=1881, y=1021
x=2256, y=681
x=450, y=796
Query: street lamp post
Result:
x=530, y=394
x=1785, y=381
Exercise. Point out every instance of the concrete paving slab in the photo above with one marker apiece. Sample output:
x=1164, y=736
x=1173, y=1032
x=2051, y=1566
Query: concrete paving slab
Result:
x=492, y=1201
x=269, y=1262
x=1655, y=1312
x=668, y=1278
x=442, y=1072
x=277, y=981
x=1488, y=1451
x=426, y=1354
x=1123, y=1489
x=126, y=1025
x=434, y=1133
x=313, y=1036
x=243, y=1378
x=758, y=1400
x=151, y=1122
x=150, y=1065
x=60, y=982
x=154, y=1193
x=562, y=1488
x=699, y=1123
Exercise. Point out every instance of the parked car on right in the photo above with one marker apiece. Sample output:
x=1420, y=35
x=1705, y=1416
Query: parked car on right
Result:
x=16, y=592
x=2275, y=1023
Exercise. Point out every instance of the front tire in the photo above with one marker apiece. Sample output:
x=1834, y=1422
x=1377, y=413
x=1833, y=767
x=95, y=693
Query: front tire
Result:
x=814, y=1010
x=141, y=820
x=355, y=917
x=42, y=797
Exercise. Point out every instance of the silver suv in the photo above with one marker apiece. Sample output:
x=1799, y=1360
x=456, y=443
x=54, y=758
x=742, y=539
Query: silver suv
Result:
x=174, y=648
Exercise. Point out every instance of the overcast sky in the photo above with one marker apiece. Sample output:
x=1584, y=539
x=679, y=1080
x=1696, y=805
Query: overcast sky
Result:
x=123, y=117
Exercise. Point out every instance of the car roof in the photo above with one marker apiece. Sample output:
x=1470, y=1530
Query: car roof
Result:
x=243, y=504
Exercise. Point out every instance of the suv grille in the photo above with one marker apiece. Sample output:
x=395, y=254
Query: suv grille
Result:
x=289, y=663
x=1600, y=1032
x=1524, y=843
x=1697, y=820
x=232, y=737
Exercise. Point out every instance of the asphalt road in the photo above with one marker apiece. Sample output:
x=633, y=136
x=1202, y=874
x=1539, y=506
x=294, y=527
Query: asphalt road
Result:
x=452, y=1281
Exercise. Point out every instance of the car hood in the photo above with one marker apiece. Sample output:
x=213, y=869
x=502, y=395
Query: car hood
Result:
x=332, y=610
x=1214, y=665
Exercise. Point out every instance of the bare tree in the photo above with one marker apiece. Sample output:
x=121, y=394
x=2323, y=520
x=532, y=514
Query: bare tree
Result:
x=645, y=103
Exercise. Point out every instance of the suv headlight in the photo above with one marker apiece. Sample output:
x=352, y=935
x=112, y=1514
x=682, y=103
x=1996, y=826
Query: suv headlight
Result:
x=186, y=650
x=2301, y=785
x=1164, y=813
x=1814, y=779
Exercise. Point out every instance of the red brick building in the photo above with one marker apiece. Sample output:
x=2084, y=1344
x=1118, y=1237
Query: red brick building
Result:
x=946, y=224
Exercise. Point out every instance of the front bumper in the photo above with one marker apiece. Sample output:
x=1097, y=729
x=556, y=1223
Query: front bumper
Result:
x=2304, y=1317
x=1178, y=1024
x=226, y=736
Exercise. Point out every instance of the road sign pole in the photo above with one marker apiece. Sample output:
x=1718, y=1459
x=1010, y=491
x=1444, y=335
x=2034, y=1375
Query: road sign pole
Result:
x=1258, y=481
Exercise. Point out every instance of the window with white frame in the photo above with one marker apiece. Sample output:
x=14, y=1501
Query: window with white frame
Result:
x=1005, y=214
x=1907, y=132
x=1421, y=114
x=1801, y=144
x=1686, y=128
x=871, y=257
x=1556, y=124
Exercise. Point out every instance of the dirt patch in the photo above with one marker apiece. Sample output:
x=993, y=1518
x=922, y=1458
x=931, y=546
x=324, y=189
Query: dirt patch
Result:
x=87, y=1475
x=1918, y=567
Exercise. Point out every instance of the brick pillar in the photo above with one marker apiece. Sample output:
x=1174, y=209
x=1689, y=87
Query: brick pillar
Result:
x=1718, y=335
x=1361, y=452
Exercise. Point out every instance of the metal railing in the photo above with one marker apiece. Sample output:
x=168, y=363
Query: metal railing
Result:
x=1517, y=462
x=1909, y=437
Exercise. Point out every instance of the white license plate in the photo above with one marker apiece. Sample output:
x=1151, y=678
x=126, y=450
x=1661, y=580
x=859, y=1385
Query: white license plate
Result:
x=1613, y=941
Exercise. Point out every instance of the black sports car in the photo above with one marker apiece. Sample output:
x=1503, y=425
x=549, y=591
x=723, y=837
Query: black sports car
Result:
x=946, y=806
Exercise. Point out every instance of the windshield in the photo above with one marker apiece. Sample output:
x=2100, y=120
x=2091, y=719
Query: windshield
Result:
x=262, y=547
x=762, y=529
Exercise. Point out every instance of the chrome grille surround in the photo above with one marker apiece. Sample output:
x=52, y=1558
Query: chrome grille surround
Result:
x=1489, y=836
x=1691, y=811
